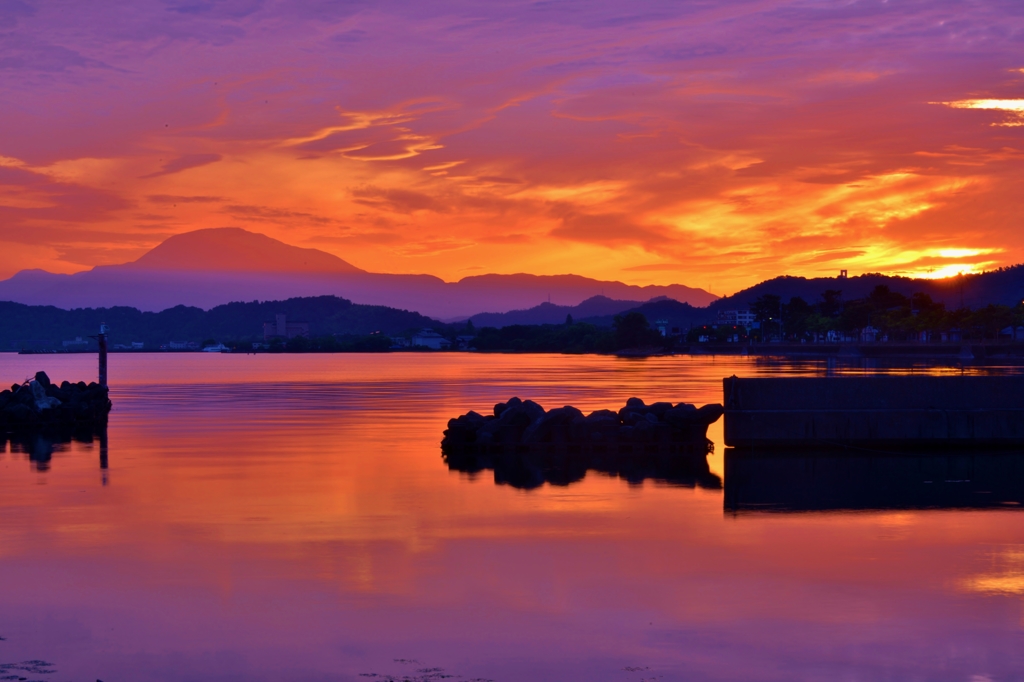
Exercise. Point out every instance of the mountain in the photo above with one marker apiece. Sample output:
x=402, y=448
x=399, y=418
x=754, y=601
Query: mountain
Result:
x=232, y=249
x=210, y=267
x=549, y=313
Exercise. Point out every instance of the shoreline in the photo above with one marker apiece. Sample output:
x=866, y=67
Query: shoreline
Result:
x=957, y=352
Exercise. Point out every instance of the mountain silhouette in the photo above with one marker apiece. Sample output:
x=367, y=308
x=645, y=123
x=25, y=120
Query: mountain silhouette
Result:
x=210, y=267
x=549, y=313
x=1004, y=286
x=232, y=249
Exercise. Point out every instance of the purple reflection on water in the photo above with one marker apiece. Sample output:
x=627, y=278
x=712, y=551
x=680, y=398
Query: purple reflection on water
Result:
x=291, y=518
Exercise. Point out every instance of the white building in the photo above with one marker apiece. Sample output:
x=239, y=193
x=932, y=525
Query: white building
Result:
x=428, y=338
x=281, y=328
x=740, y=318
x=868, y=334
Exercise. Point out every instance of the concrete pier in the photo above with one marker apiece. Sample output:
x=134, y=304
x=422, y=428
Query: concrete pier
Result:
x=874, y=411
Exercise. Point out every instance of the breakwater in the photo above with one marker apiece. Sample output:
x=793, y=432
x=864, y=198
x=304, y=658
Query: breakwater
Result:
x=875, y=411
x=39, y=403
x=523, y=425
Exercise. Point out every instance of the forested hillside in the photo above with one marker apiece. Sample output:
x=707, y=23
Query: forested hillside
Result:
x=41, y=327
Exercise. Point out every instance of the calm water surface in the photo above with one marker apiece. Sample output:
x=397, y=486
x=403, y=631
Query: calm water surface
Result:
x=291, y=518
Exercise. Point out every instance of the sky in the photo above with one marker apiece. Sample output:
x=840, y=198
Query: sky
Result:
x=713, y=144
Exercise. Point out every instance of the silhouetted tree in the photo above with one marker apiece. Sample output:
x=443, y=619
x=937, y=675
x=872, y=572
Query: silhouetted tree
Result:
x=632, y=330
x=767, y=310
x=795, y=316
x=881, y=298
x=988, y=321
x=831, y=303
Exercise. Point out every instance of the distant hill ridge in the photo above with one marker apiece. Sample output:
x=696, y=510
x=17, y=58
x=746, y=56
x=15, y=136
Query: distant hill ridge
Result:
x=210, y=267
x=1004, y=286
x=549, y=313
x=47, y=326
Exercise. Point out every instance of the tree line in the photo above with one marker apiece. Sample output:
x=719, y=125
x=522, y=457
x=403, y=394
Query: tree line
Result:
x=895, y=316
x=629, y=330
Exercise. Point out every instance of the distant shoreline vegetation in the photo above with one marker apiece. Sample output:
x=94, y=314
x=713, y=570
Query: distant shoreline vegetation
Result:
x=329, y=324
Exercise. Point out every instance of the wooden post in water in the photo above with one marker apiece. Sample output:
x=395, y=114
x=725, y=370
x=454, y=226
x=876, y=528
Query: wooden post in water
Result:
x=102, y=338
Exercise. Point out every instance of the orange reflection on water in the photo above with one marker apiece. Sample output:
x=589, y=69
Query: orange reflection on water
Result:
x=290, y=517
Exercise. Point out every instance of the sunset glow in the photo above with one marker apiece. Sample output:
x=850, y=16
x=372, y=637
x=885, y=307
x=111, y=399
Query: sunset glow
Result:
x=649, y=143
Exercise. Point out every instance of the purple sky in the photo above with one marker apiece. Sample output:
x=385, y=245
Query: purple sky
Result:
x=707, y=143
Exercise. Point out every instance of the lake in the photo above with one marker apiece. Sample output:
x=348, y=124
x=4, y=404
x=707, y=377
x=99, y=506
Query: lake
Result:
x=290, y=517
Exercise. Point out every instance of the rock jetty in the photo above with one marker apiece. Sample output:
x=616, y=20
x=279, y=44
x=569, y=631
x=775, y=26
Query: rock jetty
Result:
x=523, y=425
x=40, y=403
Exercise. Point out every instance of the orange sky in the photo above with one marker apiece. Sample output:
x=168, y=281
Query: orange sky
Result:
x=648, y=142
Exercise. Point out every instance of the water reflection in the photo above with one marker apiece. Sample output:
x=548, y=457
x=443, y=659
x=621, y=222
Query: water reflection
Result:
x=529, y=470
x=833, y=480
x=844, y=365
x=40, y=445
x=288, y=518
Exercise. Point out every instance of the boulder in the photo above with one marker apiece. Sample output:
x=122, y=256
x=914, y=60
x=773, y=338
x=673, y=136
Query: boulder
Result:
x=681, y=415
x=553, y=427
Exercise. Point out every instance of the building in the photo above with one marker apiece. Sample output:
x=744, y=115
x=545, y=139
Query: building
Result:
x=183, y=345
x=739, y=318
x=428, y=338
x=281, y=328
x=76, y=344
x=1012, y=333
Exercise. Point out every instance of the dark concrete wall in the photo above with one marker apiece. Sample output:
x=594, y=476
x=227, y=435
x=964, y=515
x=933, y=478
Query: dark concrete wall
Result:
x=876, y=410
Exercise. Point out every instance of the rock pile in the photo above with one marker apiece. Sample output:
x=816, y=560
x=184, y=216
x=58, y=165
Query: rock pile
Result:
x=523, y=424
x=38, y=402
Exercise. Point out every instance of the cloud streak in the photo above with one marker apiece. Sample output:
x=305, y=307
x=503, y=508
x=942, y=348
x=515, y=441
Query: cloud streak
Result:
x=183, y=163
x=660, y=142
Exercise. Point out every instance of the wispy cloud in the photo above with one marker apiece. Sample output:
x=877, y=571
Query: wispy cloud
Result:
x=658, y=140
x=183, y=163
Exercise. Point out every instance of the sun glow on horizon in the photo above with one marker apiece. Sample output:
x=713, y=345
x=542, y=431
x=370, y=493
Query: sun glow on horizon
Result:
x=947, y=271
